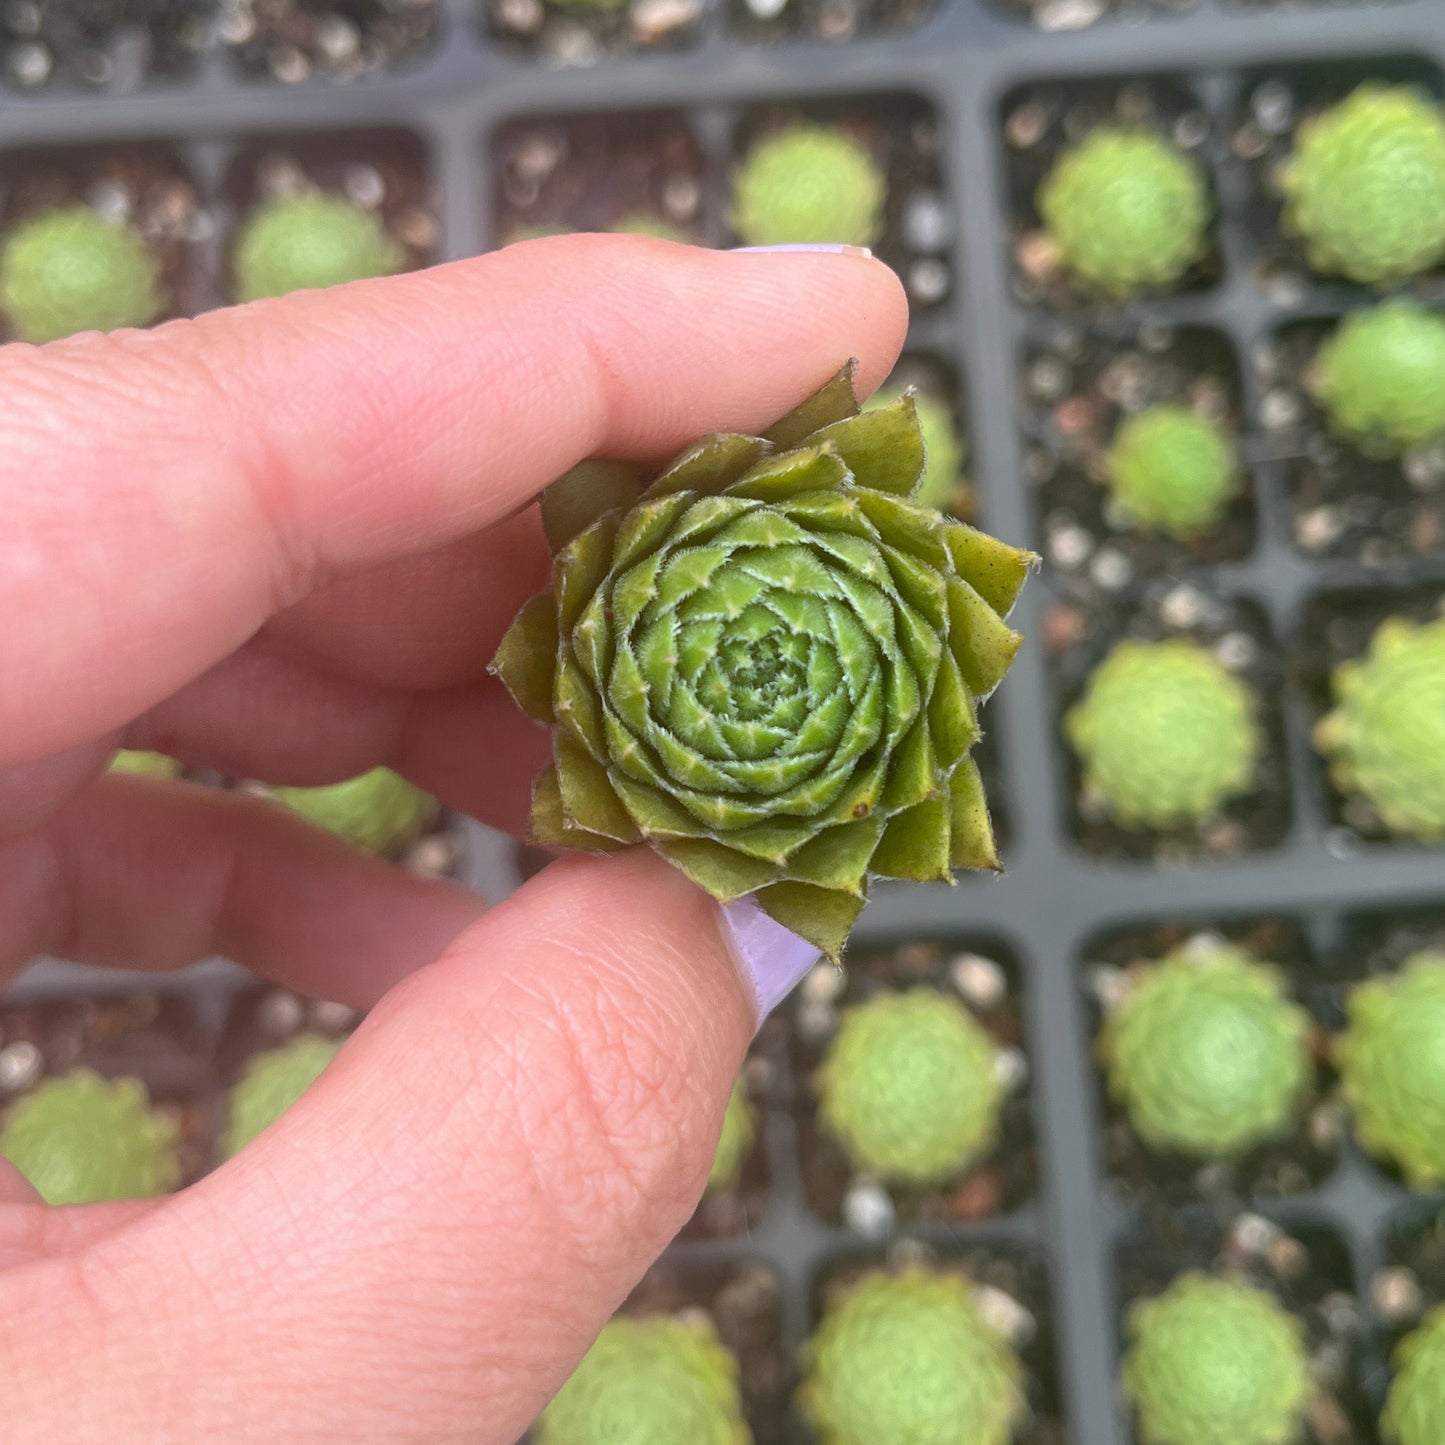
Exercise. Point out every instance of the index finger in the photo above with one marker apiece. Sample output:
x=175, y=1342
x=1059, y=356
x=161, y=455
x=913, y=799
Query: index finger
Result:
x=170, y=490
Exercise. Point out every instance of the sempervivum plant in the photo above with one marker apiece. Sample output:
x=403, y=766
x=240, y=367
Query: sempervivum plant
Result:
x=272, y=1082
x=296, y=243
x=146, y=764
x=1207, y=1054
x=1216, y=1362
x=1385, y=738
x=69, y=269
x=377, y=810
x=80, y=1139
x=1164, y=733
x=735, y=1143
x=1172, y=470
x=1392, y=1067
x=907, y=1358
x=660, y=1380
x=911, y=1086
x=767, y=664
x=1380, y=377
x=1127, y=209
x=1416, y=1403
x=1365, y=186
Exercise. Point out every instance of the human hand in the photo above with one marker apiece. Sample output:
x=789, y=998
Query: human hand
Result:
x=283, y=542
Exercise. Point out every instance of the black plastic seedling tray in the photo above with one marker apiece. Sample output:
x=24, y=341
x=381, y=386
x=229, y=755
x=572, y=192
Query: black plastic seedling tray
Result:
x=1080, y=1236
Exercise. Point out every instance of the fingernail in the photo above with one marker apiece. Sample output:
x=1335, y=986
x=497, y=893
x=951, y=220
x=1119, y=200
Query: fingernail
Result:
x=773, y=959
x=803, y=247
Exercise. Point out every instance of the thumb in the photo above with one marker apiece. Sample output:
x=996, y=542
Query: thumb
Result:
x=423, y=1247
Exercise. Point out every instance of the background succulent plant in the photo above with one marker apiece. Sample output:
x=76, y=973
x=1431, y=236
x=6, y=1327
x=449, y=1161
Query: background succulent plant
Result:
x=156, y=765
x=1172, y=470
x=1385, y=738
x=1380, y=377
x=1207, y=1054
x=1392, y=1067
x=1216, y=1362
x=81, y=1139
x=806, y=183
x=68, y=269
x=658, y=1380
x=270, y=1084
x=377, y=810
x=910, y=1086
x=911, y=1357
x=1365, y=186
x=1416, y=1403
x=1164, y=733
x=316, y=239
x=739, y=1132
x=1127, y=210
x=767, y=664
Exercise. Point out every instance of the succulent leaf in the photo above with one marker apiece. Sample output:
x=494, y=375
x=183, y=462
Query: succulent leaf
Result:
x=271, y=1083
x=767, y=664
x=377, y=810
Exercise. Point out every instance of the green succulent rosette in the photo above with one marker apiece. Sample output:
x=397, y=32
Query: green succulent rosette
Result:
x=808, y=183
x=739, y=1133
x=656, y=1380
x=910, y=1086
x=1391, y=1060
x=1165, y=734
x=81, y=1139
x=1385, y=738
x=1207, y=1054
x=767, y=664
x=144, y=764
x=909, y=1359
x=1216, y=1362
x=1380, y=377
x=271, y=1083
x=1415, y=1406
x=69, y=269
x=377, y=810
x=305, y=242
x=1172, y=470
x=1128, y=210
x=1365, y=185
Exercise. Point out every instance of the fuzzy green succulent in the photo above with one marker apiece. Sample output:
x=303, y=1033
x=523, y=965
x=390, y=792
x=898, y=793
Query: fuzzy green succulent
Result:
x=1207, y=1054
x=1165, y=734
x=302, y=242
x=1415, y=1406
x=944, y=486
x=1127, y=210
x=81, y=1139
x=69, y=269
x=155, y=765
x=1380, y=377
x=910, y=1359
x=271, y=1083
x=1385, y=738
x=911, y=1087
x=739, y=1133
x=808, y=183
x=1365, y=185
x=1391, y=1059
x=1216, y=1362
x=654, y=1380
x=377, y=810
x=1172, y=470
x=766, y=664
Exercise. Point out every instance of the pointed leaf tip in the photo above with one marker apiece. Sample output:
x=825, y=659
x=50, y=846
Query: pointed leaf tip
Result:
x=835, y=400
